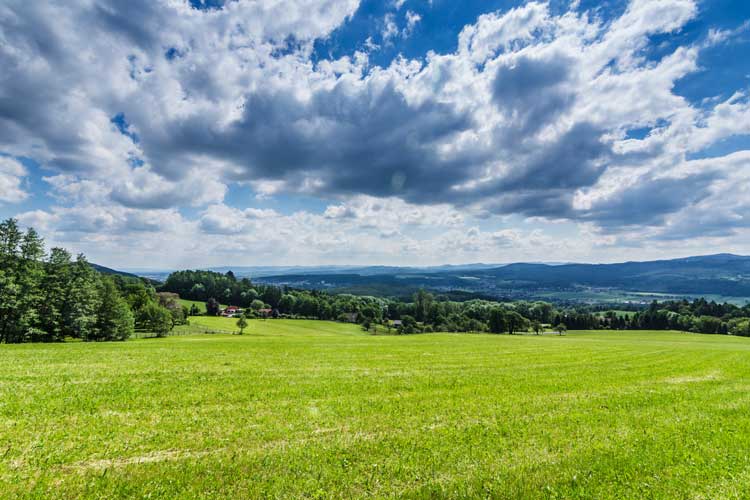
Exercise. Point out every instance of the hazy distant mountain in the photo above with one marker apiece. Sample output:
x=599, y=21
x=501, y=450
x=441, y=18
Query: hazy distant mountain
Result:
x=266, y=271
x=106, y=270
x=259, y=271
x=722, y=274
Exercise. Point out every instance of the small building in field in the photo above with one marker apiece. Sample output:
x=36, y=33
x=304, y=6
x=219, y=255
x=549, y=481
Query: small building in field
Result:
x=231, y=312
x=265, y=313
x=396, y=323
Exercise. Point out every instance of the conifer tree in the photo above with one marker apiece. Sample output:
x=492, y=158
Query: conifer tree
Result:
x=30, y=275
x=114, y=321
x=54, y=287
x=11, y=313
x=79, y=311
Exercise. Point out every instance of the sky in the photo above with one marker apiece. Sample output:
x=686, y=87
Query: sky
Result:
x=195, y=133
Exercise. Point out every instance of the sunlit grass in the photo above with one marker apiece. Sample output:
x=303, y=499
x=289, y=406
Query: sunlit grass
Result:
x=314, y=409
x=200, y=305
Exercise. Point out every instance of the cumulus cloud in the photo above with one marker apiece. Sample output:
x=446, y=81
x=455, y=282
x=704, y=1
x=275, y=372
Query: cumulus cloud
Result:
x=147, y=107
x=11, y=181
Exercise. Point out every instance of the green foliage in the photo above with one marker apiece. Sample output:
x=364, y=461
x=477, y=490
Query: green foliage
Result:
x=740, y=327
x=537, y=327
x=242, y=324
x=79, y=310
x=287, y=303
x=515, y=322
x=114, y=320
x=437, y=313
x=408, y=325
x=225, y=288
x=212, y=307
x=155, y=318
x=50, y=299
x=498, y=321
x=22, y=273
x=422, y=305
x=53, y=288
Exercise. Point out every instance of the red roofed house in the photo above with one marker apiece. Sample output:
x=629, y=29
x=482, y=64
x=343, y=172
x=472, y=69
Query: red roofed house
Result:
x=231, y=312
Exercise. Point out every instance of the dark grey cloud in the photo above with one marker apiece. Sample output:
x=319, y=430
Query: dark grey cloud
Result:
x=714, y=222
x=352, y=141
x=531, y=92
x=378, y=133
x=543, y=177
x=575, y=159
x=650, y=200
x=552, y=203
x=138, y=22
x=133, y=198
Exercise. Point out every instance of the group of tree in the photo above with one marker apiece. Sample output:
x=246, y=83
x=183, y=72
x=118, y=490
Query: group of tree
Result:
x=50, y=296
x=222, y=288
x=427, y=312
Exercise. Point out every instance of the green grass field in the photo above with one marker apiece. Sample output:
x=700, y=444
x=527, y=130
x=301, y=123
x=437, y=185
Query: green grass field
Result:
x=618, y=312
x=200, y=305
x=297, y=409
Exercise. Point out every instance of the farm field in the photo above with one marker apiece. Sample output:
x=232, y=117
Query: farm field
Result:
x=200, y=305
x=618, y=312
x=297, y=409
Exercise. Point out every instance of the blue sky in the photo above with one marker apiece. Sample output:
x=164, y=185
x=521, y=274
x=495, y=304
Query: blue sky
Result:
x=408, y=132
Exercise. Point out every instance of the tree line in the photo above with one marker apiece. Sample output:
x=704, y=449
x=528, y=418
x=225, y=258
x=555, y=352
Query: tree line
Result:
x=427, y=312
x=51, y=296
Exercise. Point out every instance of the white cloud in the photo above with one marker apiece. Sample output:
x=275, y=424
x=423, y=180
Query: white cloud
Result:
x=412, y=19
x=390, y=28
x=529, y=117
x=11, y=181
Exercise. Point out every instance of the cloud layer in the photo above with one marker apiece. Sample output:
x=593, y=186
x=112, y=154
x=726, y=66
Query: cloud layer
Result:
x=146, y=115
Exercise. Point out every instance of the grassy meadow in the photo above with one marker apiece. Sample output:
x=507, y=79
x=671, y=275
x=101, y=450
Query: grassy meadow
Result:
x=297, y=409
x=200, y=305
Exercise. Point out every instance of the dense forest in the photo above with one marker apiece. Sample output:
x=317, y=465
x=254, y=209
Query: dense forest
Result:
x=51, y=296
x=48, y=297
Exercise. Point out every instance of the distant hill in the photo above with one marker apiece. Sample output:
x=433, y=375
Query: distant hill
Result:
x=717, y=276
x=106, y=270
x=723, y=275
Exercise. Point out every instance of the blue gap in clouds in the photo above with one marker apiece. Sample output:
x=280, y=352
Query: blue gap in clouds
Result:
x=207, y=4
x=172, y=53
x=33, y=184
x=242, y=197
x=641, y=133
x=725, y=68
x=441, y=23
x=724, y=147
x=123, y=126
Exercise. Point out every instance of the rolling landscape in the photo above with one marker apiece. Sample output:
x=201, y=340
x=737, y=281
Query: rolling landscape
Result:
x=725, y=276
x=355, y=249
